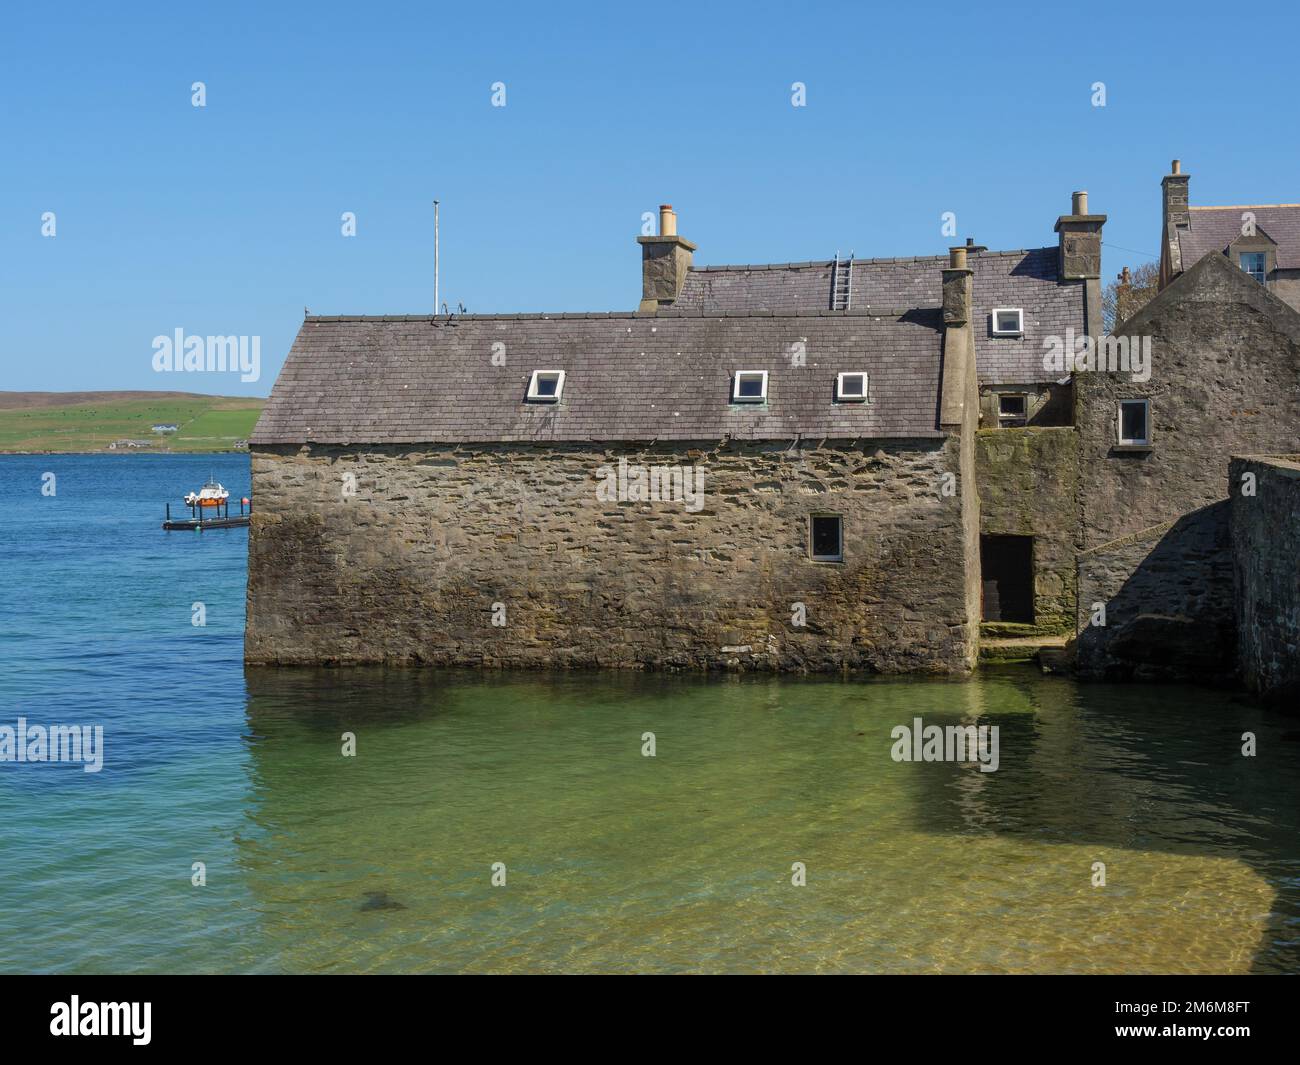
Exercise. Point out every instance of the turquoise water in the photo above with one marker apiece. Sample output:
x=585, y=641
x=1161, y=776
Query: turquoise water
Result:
x=614, y=861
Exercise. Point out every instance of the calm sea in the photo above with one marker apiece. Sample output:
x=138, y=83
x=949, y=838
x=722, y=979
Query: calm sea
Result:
x=612, y=861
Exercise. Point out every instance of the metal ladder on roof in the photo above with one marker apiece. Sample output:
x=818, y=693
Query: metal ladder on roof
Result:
x=842, y=283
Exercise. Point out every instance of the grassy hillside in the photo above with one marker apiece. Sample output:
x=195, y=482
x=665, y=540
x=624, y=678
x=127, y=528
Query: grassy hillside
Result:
x=91, y=421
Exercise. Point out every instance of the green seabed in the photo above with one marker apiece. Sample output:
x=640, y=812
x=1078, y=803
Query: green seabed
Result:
x=616, y=861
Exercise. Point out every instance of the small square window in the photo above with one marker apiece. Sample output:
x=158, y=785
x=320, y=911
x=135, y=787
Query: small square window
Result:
x=1008, y=322
x=749, y=386
x=1134, y=421
x=851, y=388
x=1253, y=262
x=1013, y=409
x=546, y=386
x=826, y=537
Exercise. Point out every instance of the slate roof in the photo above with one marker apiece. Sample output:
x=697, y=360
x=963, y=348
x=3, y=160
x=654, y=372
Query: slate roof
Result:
x=1214, y=228
x=662, y=376
x=1027, y=279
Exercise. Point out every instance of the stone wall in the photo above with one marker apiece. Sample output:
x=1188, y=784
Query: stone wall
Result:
x=407, y=568
x=1285, y=284
x=1168, y=599
x=1266, y=574
x=1225, y=361
x=1027, y=483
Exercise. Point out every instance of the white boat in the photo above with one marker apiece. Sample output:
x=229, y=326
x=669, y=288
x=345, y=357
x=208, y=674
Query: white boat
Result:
x=210, y=495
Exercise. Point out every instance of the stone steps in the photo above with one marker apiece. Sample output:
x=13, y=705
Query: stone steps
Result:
x=999, y=650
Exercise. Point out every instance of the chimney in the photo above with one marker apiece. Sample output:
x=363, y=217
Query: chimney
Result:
x=665, y=260
x=1173, y=214
x=1080, y=256
x=1174, y=189
x=956, y=288
x=1080, y=240
x=958, y=401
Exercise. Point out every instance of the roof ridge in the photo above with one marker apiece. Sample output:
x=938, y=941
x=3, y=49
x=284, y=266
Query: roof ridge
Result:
x=938, y=257
x=667, y=312
x=1240, y=206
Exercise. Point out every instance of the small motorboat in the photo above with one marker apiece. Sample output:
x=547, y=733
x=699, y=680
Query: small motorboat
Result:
x=210, y=495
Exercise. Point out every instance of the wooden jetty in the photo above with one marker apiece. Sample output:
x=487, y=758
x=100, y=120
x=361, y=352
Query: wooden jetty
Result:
x=223, y=519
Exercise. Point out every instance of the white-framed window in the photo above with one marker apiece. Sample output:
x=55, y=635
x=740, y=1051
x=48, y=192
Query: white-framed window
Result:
x=1008, y=321
x=749, y=386
x=1013, y=409
x=1254, y=262
x=546, y=386
x=826, y=537
x=1134, y=421
x=851, y=387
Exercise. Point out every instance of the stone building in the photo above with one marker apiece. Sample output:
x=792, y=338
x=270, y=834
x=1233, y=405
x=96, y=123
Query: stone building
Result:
x=862, y=464
x=1156, y=503
x=679, y=487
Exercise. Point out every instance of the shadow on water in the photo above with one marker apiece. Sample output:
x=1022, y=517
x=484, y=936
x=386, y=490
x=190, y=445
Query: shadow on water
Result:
x=677, y=861
x=1159, y=768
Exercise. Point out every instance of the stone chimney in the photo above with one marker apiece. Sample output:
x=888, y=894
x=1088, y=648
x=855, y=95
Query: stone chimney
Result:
x=1174, y=198
x=1080, y=256
x=1174, y=212
x=957, y=288
x=665, y=259
x=959, y=399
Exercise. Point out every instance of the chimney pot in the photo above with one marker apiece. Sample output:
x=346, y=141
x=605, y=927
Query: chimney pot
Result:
x=1079, y=203
x=957, y=258
x=1177, y=167
x=667, y=220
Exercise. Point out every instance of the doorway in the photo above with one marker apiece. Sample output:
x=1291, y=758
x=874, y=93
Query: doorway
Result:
x=1007, y=573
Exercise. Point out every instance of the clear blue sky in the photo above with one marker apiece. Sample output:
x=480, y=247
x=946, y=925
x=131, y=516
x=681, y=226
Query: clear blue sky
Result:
x=226, y=219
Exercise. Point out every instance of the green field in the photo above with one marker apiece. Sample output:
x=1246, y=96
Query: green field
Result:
x=92, y=421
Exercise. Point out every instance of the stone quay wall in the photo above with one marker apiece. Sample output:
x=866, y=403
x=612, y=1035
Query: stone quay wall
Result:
x=1266, y=574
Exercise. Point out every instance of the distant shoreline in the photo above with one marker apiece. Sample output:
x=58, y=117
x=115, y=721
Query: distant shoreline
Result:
x=134, y=451
x=111, y=423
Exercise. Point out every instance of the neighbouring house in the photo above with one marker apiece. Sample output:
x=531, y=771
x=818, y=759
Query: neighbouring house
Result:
x=1263, y=240
x=1157, y=505
x=844, y=464
x=1155, y=499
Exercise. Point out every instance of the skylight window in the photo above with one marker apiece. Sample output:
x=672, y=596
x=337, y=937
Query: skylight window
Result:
x=749, y=386
x=546, y=386
x=851, y=387
x=1008, y=322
